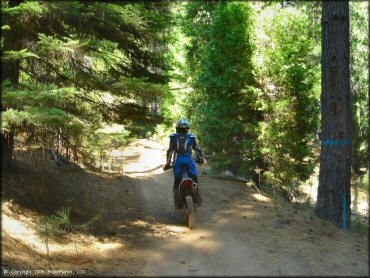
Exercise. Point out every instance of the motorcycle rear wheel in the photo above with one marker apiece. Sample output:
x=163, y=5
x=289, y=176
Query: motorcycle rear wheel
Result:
x=190, y=213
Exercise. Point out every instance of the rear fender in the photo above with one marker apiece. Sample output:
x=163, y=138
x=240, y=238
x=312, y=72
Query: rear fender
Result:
x=186, y=187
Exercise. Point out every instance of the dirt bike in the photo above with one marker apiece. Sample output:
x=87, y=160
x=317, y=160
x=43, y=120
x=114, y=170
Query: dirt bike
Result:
x=187, y=189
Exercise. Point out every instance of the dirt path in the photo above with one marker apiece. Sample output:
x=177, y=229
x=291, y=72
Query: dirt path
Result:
x=239, y=232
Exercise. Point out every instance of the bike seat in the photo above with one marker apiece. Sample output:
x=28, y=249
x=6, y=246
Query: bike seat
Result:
x=184, y=167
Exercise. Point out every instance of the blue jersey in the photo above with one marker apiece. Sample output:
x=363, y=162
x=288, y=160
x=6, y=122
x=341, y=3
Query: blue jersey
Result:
x=181, y=146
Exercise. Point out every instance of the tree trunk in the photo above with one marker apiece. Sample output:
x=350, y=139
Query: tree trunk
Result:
x=7, y=145
x=67, y=144
x=334, y=195
x=144, y=105
x=143, y=102
x=153, y=109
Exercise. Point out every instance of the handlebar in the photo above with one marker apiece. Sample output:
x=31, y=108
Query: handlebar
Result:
x=201, y=162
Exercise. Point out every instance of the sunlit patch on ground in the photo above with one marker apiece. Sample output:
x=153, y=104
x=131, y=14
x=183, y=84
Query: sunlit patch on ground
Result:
x=177, y=229
x=20, y=229
x=201, y=239
x=22, y=232
x=107, y=246
x=16, y=229
x=261, y=198
x=140, y=223
x=143, y=158
x=159, y=230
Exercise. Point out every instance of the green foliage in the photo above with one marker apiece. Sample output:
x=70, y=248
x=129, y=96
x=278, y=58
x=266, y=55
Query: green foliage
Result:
x=255, y=105
x=288, y=71
x=140, y=87
x=247, y=75
x=81, y=66
x=359, y=42
x=176, y=101
x=47, y=227
x=59, y=222
x=41, y=111
x=256, y=81
x=18, y=55
x=222, y=105
x=63, y=218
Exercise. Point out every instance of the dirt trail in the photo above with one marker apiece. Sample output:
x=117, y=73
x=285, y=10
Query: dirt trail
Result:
x=239, y=232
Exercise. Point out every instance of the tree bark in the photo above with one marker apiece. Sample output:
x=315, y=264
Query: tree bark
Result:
x=334, y=195
x=143, y=102
x=153, y=109
x=7, y=145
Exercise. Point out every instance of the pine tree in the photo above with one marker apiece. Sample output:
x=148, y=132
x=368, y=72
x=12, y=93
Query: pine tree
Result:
x=220, y=64
x=72, y=58
x=334, y=194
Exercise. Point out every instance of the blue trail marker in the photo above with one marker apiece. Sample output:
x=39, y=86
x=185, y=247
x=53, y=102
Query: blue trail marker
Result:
x=335, y=142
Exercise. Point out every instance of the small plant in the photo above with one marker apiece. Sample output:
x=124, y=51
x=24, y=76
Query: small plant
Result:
x=46, y=229
x=61, y=221
x=50, y=225
x=63, y=218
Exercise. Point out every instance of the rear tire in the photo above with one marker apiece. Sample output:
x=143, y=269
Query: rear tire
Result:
x=190, y=212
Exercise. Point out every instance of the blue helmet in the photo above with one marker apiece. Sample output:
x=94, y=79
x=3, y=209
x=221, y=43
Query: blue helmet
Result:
x=183, y=126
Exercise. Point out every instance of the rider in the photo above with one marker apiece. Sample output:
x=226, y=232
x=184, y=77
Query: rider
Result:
x=181, y=144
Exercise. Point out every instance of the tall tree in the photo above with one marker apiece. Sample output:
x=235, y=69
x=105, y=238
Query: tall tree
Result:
x=223, y=102
x=334, y=195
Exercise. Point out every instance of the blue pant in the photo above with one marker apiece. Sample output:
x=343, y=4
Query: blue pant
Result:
x=185, y=159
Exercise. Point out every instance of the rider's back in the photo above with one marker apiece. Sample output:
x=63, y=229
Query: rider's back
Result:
x=182, y=143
